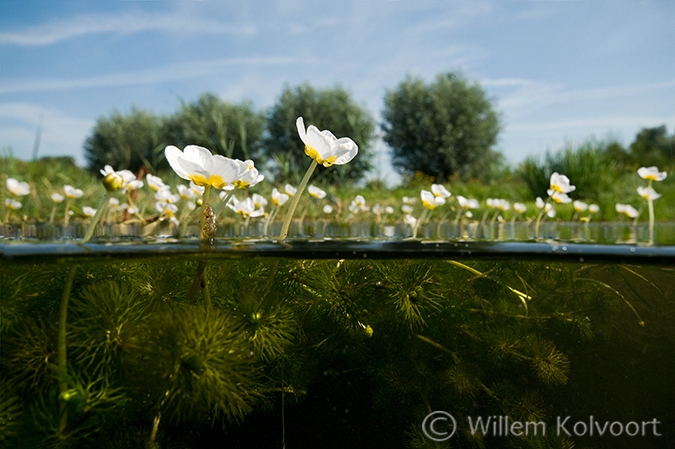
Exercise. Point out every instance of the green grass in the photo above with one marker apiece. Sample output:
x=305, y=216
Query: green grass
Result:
x=48, y=175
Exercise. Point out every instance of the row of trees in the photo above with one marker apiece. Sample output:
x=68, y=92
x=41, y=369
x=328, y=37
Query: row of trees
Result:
x=441, y=128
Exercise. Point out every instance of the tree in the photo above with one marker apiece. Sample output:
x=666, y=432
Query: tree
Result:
x=653, y=146
x=441, y=129
x=233, y=130
x=125, y=141
x=332, y=109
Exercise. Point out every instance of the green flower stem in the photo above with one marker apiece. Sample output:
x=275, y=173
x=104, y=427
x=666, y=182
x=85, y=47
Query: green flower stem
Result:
x=62, y=359
x=423, y=216
x=66, y=217
x=650, y=203
x=270, y=217
x=205, y=202
x=97, y=216
x=52, y=214
x=295, y=201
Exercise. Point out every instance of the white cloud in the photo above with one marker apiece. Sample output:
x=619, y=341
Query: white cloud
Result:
x=173, y=72
x=127, y=23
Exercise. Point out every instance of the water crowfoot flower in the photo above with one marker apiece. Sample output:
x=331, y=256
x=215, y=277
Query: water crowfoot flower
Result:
x=11, y=205
x=17, y=188
x=200, y=166
x=648, y=193
x=325, y=149
x=71, y=194
x=629, y=211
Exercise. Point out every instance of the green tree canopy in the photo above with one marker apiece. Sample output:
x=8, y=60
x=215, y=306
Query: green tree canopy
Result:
x=653, y=146
x=125, y=141
x=233, y=130
x=441, y=129
x=332, y=109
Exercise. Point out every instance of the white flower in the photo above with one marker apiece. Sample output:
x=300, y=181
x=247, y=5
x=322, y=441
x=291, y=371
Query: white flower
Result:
x=155, y=182
x=377, y=209
x=502, y=205
x=72, y=192
x=406, y=209
x=245, y=208
x=278, y=198
x=327, y=209
x=468, y=214
x=134, y=184
x=519, y=207
x=560, y=184
x=250, y=177
x=167, y=210
x=259, y=201
x=388, y=210
x=18, y=188
x=13, y=204
x=467, y=203
x=116, y=180
x=290, y=190
x=409, y=220
x=57, y=197
x=198, y=165
x=490, y=203
x=580, y=206
x=132, y=210
x=165, y=196
x=440, y=190
x=114, y=202
x=627, y=210
x=561, y=198
x=648, y=193
x=198, y=190
x=651, y=173
x=316, y=192
x=409, y=200
x=548, y=209
x=430, y=201
x=88, y=211
x=358, y=204
x=593, y=209
x=324, y=147
x=186, y=193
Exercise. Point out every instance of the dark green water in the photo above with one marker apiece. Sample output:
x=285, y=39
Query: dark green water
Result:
x=336, y=344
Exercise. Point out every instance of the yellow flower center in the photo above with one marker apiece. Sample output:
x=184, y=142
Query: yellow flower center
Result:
x=557, y=188
x=311, y=152
x=213, y=180
x=241, y=184
x=429, y=205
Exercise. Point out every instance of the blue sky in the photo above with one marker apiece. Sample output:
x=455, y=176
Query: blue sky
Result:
x=558, y=71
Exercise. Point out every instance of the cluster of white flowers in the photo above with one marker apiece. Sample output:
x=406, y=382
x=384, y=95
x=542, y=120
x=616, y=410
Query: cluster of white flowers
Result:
x=18, y=189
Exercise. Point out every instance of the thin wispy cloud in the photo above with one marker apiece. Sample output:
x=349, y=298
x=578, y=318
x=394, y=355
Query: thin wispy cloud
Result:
x=156, y=75
x=123, y=24
x=539, y=94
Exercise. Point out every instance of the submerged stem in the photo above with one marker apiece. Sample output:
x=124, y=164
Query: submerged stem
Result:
x=62, y=359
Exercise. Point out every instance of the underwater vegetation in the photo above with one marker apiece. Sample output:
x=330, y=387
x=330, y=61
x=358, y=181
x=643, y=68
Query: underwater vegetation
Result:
x=328, y=353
